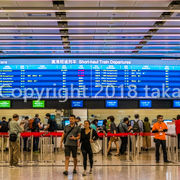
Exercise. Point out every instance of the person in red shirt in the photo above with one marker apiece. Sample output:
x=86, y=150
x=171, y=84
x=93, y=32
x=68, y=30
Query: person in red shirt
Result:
x=177, y=123
x=160, y=128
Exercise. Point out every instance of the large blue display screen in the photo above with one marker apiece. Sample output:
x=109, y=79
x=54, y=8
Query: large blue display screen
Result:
x=89, y=78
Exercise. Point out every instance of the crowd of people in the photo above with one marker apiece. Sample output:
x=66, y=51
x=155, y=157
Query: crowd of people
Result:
x=85, y=135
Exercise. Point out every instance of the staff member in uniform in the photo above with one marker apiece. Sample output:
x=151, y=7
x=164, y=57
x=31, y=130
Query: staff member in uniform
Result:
x=160, y=128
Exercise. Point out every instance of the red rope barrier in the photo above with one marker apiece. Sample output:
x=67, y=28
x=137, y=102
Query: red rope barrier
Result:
x=59, y=134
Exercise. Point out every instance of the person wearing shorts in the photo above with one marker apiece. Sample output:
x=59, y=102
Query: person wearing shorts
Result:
x=114, y=139
x=70, y=137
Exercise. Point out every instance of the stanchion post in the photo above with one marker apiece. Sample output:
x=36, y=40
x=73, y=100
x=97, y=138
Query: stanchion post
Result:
x=138, y=146
x=2, y=148
x=105, y=145
x=128, y=146
x=176, y=138
x=41, y=148
x=173, y=146
x=134, y=147
x=9, y=158
x=32, y=137
x=55, y=149
x=168, y=142
x=22, y=144
x=51, y=147
x=132, y=137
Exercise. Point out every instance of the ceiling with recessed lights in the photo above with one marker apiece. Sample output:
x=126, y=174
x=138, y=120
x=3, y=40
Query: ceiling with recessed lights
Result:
x=131, y=28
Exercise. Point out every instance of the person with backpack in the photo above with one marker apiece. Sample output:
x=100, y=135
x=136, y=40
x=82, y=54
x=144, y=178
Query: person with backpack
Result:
x=36, y=126
x=146, y=139
x=4, y=129
x=137, y=124
x=123, y=128
x=137, y=127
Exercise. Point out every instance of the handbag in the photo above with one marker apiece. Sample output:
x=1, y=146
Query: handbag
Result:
x=13, y=137
x=95, y=146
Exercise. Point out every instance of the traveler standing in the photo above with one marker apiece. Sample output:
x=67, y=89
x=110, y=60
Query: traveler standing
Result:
x=52, y=125
x=86, y=141
x=94, y=124
x=36, y=126
x=78, y=121
x=14, y=130
x=159, y=128
x=123, y=128
x=137, y=124
x=137, y=127
x=70, y=137
x=114, y=139
x=26, y=129
x=4, y=129
x=146, y=139
x=104, y=126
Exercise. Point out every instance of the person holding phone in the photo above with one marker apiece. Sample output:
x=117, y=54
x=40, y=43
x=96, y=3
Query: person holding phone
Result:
x=70, y=137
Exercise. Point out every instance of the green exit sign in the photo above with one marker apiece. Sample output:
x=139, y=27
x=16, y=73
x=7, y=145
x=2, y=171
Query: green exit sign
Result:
x=38, y=104
x=5, y=103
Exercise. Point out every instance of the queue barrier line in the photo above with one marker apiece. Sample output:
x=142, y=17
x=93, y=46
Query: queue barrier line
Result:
x=59, y=134
x=133, y=139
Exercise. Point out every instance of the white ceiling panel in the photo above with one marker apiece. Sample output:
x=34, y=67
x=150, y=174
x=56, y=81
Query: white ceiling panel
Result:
x=144, y=14
x=144, y=23
x=35, y=4
x=82, y=39
x=151, y=3
x=117, y=3
x=81, y=14
x=8, y=4
x=172, y=23
x=81, y=3
x=82, y=23
x=82, y=31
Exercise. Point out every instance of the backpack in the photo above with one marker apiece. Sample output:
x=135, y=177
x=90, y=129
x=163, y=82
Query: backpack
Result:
x=31, y=123
x=147, y=127
x=118, y=128
x=4, y=126
x=53, y=125
x=136, y=127
x=121, y=128
x=35, y=126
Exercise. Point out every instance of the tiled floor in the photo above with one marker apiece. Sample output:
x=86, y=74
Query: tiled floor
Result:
x=105, y=172
x=143, y=167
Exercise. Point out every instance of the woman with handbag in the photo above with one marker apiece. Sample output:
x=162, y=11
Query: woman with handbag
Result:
x=88, y=137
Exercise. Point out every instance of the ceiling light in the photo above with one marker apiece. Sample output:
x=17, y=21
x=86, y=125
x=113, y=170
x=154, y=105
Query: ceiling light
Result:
x=86, y=28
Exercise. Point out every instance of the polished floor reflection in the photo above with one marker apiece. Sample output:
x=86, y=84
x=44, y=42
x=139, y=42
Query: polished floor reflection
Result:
x=143, y=167
x=108, y=172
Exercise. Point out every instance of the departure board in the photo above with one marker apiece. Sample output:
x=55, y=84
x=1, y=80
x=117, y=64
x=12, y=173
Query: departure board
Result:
x=89, y=78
